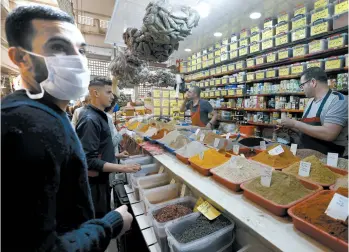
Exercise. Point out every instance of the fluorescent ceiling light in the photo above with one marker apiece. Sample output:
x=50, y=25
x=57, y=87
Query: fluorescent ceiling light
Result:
x=255, y=15
x=187, y=50
x=217, y=34
x=203, y=9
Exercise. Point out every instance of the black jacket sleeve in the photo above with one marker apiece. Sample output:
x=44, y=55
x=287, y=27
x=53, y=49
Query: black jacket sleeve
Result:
x=31, y=161
x=88, y=131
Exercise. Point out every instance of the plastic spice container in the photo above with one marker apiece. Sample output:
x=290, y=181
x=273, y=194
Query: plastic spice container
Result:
x=149, y=182
x=244, y=50
x=240, y=64
x=334, y=62
x=156, y=196
x=300, y=21
x=285, y=53
x=340, y=21
x=321, y=13
x=321, y=26
x=316, y=63
x=159, y=227
x=224, y=56
x=217, y=93
x=260, y=75
x=251, y=76
x=268, y=43
x=217, y=81
x=255, y=37
x=297, y=69
x=283, y=17
x=282, y=39
x=146, y=170
x=218, y=70
x=232, y=79
x=212, y=242
x=217, y=60
x=284, y=71
x=233, y=46
x=300, y=9
x=244, y=42
x=317, y=46
x=255, y=47
x=231, y=67
x=225, y=80
x=207, y=83
x=269, y=22
x=244, y=33
x=261, y=59
x=241, y=77
x=268, y=33
x=251, y=62
x=337, y=41
x=282, y=27
x=271, y=73
x=272, y=57
x=234, y=54
x=300, y=50
x=300, y=33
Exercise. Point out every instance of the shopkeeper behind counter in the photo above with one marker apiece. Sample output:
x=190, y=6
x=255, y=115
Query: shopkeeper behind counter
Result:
x=199, y=109
x=324, y=125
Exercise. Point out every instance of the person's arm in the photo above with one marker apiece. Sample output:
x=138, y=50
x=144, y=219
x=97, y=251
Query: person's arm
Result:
x=328, y=131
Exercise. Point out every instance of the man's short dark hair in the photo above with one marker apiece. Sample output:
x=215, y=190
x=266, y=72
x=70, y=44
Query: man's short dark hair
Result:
x=100, y=82
x=196, y=90
x=19, y=29
x=315, y=73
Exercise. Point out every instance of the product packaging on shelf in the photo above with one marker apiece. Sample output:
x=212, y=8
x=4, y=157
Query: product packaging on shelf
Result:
x=339, y=40
x=282, y=38
x=300, y=50
x=268, y=33
x=234, y=37
x=317, y=46
x=260, y=75
x=300, y=33
x=321, y=13
x=240, y=65
x=224, y=69
x=269, y=22
x=321, y=26
x=231, y=67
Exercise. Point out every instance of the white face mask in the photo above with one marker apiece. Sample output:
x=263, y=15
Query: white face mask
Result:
x=68, y=77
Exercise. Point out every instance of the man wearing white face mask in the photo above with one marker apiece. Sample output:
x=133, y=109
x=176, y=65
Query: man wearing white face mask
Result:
x=42, y=158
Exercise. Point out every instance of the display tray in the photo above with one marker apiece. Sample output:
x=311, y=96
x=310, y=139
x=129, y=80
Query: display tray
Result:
x=279, y=210
x=169, y=149
x=203, y=171
x=325, y=186
x=246, y=151
x=325, y=238
x=182, y=159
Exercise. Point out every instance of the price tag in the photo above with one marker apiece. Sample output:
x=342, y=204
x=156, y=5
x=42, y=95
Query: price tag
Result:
x=243, y=42
x=299, y=11
x=281, y=29
x=338, y=207
x=294, y=149
x=266, y=175
x=341, y=7
x=183, y=190
x=284, y=71
x=297, y=69
x=233, y=46
x=314, y=64
x=332, y=159
x=333, y=64
x=201, y=155
x=233, y=54
x=260, y=75
x=236, y=149
x=271, y=73
x=262, y=145
x=208, y=211
x=276, y=151
x=250, y=76
x=271, y=57
x=172, y=181
x=281, y=40
x=259, y=60
x=198, y=203
x=216, y=142
x=298, y=51
x=319, y=4
x=161, y=170
x=243, y=51
x=254, y=38
x=267, y=34
x=319, y=15
x=304, y=169
x=227, y=136
x=333, y=43
x=197, y=132
x=202, y=137
x=156, y=93
x=318, y=29
x=254, y=48
x=267, y=44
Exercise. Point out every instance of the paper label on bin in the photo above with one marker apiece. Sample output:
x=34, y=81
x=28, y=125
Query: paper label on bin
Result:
x=236, y=149
x=197, y=132
x=276, y=151
x=338, y=207
x=266, y=174
x=333, y=43
x=202, y=137
x=294, y=149
x=227, y=136
x=341, y=7
x=183, y=190
x=198, y=203
x=304, y=169
x=262, y=145
x=319, y=4
x=333, y=64
x=172, y=181
x=332, y=159
x=161, y=170
x=216, y=142
x=208, y=211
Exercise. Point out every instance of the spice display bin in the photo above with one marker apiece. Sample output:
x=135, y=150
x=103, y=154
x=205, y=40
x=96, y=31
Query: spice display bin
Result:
x=146, y=170
x=337, y=41
x=255, y=47
x=321, y=13
x=142, y=160
x=234, y=54
x=268, y=43
x=282, y=28
x=298, y=68
x=317, y=46
x=300, y=50
x=300, y=33
x=277, y=209
x=334, y=62
x=156, y=196
x=304, y=226
x=251, y=62
x=150, y=182
x=282, y=38
x=212, y=242
x=316, y=63
x=203, y=171
x=321, y=26
x=325, y=186
x=285, y=53
x=159, y=227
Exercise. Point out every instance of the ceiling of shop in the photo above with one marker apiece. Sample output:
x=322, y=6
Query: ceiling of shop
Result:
x=226, y=16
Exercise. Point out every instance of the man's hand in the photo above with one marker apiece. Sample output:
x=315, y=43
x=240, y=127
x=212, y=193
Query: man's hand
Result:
x=131, y=168
x=123, y=154
x=186, y=96
x=288, y=123
x=127, y=217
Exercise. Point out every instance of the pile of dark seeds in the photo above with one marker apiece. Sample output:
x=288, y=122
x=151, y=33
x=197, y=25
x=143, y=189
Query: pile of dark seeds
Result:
x=172, y=212
x=201, y=228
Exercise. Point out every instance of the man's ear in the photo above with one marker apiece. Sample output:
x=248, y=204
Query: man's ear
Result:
x=19, y=57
